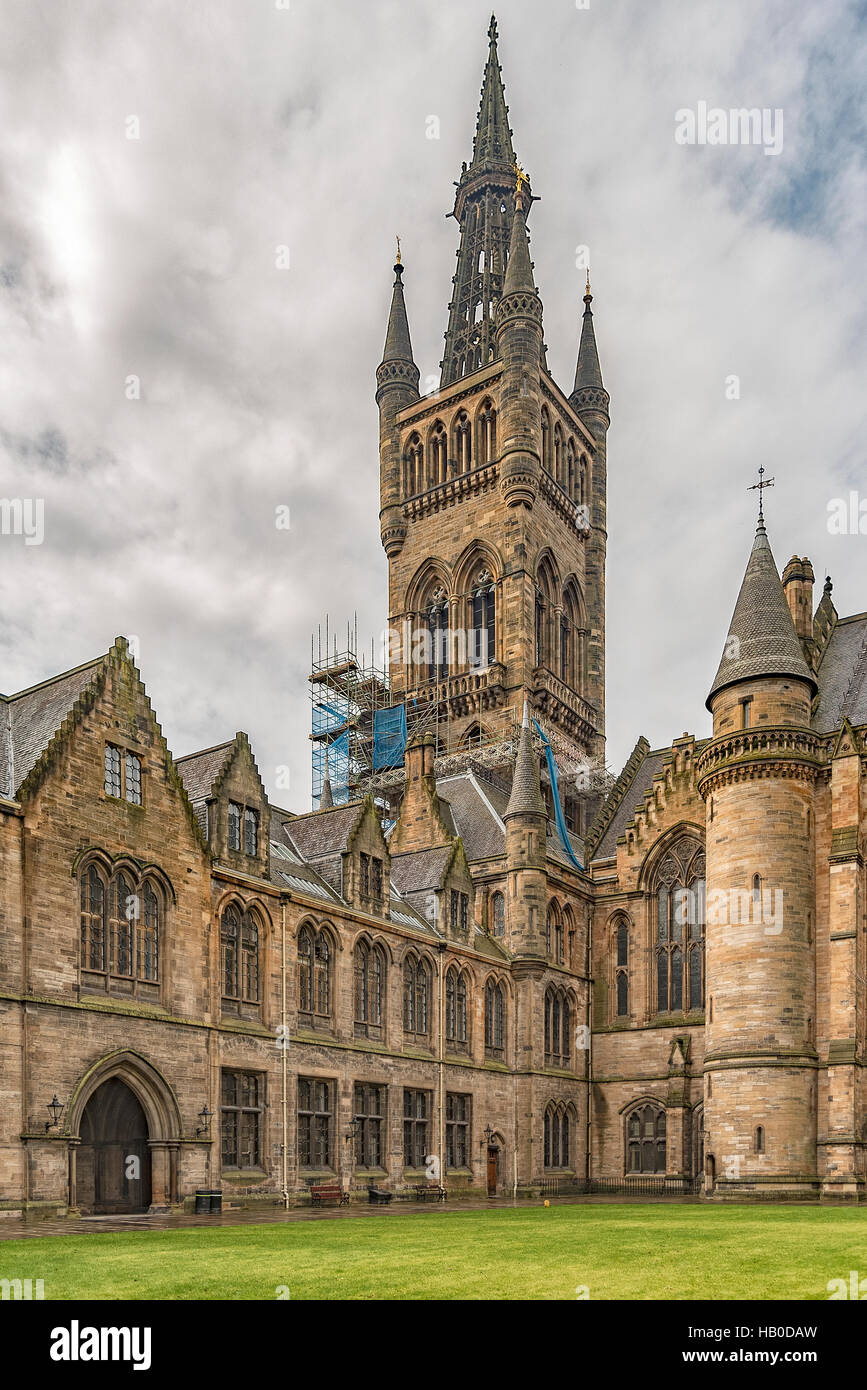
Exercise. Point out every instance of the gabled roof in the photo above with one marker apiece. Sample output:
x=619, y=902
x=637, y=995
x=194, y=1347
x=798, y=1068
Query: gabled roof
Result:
x=199, y=771
x=842, y=676
x=322, y=833
x=31, y=718
x=421, y=870
x=476, y=811
x=642, y=770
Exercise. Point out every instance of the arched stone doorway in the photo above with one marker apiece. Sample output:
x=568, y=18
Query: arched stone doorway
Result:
x=123, y=1102
x=114, y=1161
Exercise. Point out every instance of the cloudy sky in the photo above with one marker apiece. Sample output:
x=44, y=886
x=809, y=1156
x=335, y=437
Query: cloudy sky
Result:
x=304, y=125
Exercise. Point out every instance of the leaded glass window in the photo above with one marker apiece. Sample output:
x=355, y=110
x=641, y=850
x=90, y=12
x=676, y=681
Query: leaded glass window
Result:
x=680, y=928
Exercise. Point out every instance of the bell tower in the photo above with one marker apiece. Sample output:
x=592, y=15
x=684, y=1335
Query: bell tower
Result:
x=493, y=489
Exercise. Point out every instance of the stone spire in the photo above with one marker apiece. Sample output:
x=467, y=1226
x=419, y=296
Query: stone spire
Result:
x=519, y=275
x=761, y=640
x=588, y=392
x=484, y=208
x=398, y=347
x=326, y=796
x=526, y=798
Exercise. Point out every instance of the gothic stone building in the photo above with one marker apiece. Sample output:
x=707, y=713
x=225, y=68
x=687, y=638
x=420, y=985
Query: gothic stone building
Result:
x=198, y=987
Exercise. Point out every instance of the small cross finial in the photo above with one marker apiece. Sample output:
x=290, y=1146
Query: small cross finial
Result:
x=760, y=487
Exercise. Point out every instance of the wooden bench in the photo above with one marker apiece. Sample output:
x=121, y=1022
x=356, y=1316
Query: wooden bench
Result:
x=328, y=1192
x=432, y=1190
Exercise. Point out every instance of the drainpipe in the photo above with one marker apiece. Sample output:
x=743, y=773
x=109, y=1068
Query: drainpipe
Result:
x=284, y=1048
x=588, y=1065
x=441, y=1057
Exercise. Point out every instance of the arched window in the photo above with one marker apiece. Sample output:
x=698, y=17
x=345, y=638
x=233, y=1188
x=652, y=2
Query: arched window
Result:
x=571, y=483
x=456, y=1007
x=487, y=432
x=239, y=941
x=558, y=453
x=463, y=442
x=645, y=1140
x=557, y=1136
x=583, y=482
x=483, y=640
x=437, y=619
x=760, y=1140
x=438, y=441
x=416, y=989
x=93, y=920
x=546, y=440
x=621, y=972
x=369, y=984
x=571, y=670
x=555, y=940
x=413, y=466
x=498, y=914
x=314, y=973
x=558, y=1028
x=546, y=632
x=680, y=928
x=121, y=927
x=305, y=970
x=495, y=1019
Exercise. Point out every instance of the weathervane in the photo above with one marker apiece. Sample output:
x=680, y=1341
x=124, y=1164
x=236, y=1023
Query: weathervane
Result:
x=760, y=487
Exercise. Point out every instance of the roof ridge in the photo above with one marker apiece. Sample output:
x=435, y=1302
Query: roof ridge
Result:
x=200, y=752
x=612, y=803
x=61, y=675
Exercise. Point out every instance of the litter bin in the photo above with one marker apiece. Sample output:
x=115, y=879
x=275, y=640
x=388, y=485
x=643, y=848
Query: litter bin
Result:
x=208, y=1199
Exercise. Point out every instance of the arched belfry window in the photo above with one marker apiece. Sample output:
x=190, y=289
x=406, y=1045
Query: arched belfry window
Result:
x=413, y=466
x=546, y=439
x=463, y=442
x=437, y=622
x=680, y=927
x=487, y=432
x=483, y=648
x=645, y=1139
x=571, y=482
x=438, y=454
x=571, y=668
x=558, y=453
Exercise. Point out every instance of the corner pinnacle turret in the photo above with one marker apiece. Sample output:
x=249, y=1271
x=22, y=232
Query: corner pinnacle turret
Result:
x=589, y=392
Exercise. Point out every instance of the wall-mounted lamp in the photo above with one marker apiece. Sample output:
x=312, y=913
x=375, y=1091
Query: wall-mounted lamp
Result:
x=55, y=1110
x=205, y=1115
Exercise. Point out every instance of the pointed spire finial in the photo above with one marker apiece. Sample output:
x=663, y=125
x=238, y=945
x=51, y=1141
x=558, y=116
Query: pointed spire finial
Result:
x=588, y=298
x=492, y=29
x=759, y=487
x=398, y=260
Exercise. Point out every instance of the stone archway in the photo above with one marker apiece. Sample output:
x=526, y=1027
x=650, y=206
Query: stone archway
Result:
x=114, y=1160
x=125, y=1133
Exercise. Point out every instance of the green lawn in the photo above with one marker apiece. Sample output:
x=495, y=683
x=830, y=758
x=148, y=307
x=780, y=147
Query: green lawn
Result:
x=618, y=1252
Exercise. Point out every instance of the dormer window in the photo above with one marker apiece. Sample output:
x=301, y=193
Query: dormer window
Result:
x=459, y=910
x=234, y=825
x=243, y=829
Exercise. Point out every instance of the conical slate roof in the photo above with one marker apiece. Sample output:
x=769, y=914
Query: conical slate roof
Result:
x=519, y=272
x=588, y=371
x=761, y=640
x=526, y=797
x=398, y=347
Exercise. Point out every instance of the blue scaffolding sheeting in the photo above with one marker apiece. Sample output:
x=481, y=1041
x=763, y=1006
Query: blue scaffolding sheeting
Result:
x=389, y=736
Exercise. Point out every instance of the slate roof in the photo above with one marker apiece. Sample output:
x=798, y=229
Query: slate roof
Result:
x=842, y=676
x=642, y=781
x=421, y=869
x=31, y=718
x=199, y=771
x=322, y=833
x=477, y=814
x=761, y=637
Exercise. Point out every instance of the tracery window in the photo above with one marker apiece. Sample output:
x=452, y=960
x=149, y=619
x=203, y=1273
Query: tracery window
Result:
x=438, y=455
x=413, y=466
x=645, y=1140
x=314, y=973
x=680, y=928
x=456, y=1007
x=483, y=649
x=463, y=442
x=369, y=983
x=437, y=619
x=121, y=925
x=239, y=939
x=416, y=993
x=558, y=1028
x=621, y=972
x=495, y=1018
x=487, y=432
x=557, y=1136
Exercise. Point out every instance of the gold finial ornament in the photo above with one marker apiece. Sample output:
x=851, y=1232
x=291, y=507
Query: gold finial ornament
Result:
x=587, y=288
x=523, y=181
x=399, y=261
